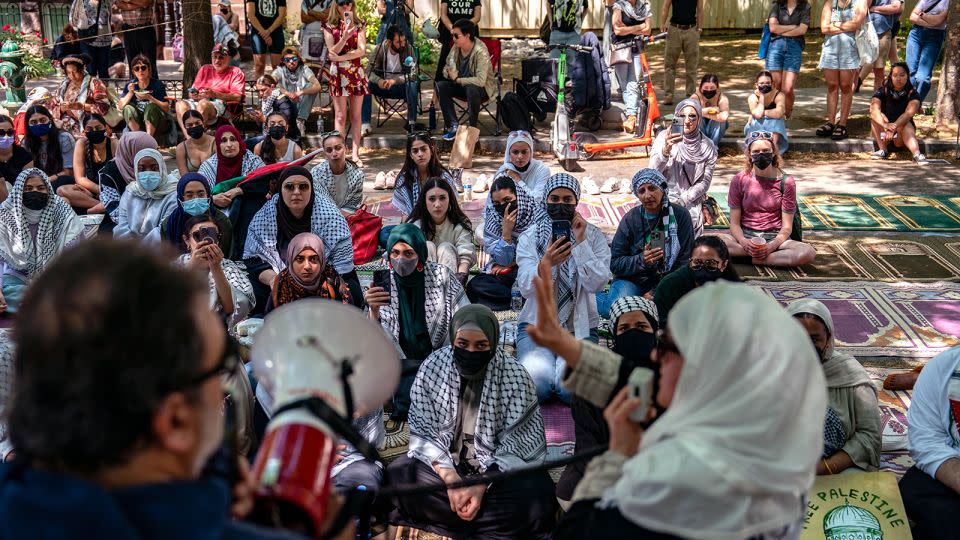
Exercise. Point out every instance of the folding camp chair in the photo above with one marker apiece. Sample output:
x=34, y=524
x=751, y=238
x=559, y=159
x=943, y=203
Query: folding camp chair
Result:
x=495, y=49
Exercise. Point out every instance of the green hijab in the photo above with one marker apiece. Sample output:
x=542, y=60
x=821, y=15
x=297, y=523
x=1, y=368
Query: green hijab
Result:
x=479, y=316
x=411, y=294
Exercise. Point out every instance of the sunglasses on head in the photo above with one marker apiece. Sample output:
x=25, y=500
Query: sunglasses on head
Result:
x=763, y=135
x=344, y=2
x=415, y=134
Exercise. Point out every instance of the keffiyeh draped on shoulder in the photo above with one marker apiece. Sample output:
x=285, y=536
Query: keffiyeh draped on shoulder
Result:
x=444, y=295
x=529, y=212
x=326, y=221
x=323, y=183
x=208, y=168
x=509, y=431
x=241, y=288
x=57, y=227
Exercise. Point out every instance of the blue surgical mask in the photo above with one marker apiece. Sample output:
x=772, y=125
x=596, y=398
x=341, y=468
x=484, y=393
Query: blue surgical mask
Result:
x=149, y=180
x=40, y=130
x=6, y=142
x=196, y=207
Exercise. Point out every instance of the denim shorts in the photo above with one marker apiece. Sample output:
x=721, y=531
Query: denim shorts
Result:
x=260, y=46
x=784, y=54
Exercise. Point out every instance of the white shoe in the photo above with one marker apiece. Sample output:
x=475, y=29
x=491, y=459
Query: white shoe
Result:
x=365, y=129
x=392, y=179
x=920, y=159
x=610, y=185
x=380, y=183
x=480, y=184
x=302, y=126
x=589, y=186
x=626, y=187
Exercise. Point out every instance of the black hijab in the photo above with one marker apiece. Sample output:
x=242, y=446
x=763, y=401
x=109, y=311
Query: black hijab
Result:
x=288, y=225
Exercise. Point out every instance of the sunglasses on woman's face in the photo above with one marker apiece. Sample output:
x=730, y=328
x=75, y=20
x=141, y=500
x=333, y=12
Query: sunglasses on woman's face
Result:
x=138, y=69
x=292, y=59
x=7, y=132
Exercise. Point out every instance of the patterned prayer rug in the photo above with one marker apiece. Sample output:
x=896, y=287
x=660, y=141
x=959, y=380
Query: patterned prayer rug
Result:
x=895, y=454
x=884, y=319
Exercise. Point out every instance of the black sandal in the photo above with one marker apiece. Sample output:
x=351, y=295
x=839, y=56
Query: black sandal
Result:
x=825, y=130
x=839, y=133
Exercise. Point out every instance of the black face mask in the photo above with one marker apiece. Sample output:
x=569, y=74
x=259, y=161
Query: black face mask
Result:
x=765, y=88
x=561, y=211
x=635, y=345
x=709, y=94
x=195, y=132
x=471, y=364
x=277, y=132
x=762, y=161
x=500, y=207
x=97, y=136
x=35, y=200
x=706, y=275
x=524, y=168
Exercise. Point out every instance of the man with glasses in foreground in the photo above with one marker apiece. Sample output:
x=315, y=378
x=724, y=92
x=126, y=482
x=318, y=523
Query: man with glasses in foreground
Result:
x=118, y=404
x=216, y=86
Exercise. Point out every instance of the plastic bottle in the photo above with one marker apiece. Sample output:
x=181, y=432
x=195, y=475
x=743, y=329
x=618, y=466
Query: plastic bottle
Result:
x=516, y=299
x=432, y=117
x=467, y=188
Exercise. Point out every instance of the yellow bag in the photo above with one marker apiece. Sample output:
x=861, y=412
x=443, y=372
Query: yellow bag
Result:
x=856, y=505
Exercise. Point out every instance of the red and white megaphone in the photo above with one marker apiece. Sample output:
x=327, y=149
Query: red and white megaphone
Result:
x=318, y=359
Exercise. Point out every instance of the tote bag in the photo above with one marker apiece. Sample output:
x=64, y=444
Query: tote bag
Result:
x=365, y=233
x=764, y=42
x=868, y=44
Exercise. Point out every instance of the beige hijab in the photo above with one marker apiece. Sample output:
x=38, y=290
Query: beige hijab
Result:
x=841, y=370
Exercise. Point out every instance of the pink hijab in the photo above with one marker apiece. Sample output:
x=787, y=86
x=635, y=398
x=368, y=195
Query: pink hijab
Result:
x=131, y=143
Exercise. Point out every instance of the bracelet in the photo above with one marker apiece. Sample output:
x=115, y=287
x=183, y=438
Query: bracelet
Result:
x=827, y=465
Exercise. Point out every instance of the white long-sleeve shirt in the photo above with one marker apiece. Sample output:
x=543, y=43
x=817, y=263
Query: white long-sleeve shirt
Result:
x=933, y=434
x=591, y=260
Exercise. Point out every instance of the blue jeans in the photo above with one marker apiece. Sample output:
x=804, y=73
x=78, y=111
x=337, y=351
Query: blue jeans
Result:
x=545, y=368
x=13, y=290
x=99, y=60
x=785, y=54
x=923, y=49
x=627, y=79
x=305, y=105
x=618, y=289
x=409, y=90
x=714, y=130
x=260, y=46
x=563, y=38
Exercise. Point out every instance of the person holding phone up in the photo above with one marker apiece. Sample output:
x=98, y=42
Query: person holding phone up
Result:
x=580, y=258
x=231, y=293
x=653, y=239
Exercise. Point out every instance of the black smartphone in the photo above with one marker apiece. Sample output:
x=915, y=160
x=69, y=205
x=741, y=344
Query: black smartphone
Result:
x=561, y=229
x=381, y=278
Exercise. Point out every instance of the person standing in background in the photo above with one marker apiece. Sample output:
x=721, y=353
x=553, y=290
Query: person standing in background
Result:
x=88, y=15
x=683, y=36
x=566, y=21
x=883, y=13
x=139, y=30
x=228, y=15
x=929, y=19
x=266, y=18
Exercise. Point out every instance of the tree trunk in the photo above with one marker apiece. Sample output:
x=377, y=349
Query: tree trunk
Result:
x=197, y=39
x=948, y=94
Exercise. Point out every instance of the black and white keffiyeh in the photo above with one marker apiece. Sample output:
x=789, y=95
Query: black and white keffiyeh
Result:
x=509, y=431
x=407, y=190
x=326, y=221
x=57, y=226
x=563, y=274
x=208, y=168
x=240, y=287
x=628, y=304
x=444, y=295
x=323, y=183
x=529, y=212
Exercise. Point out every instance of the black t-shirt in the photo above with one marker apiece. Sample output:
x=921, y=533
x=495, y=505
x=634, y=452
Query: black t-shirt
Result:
x=893, y=103
x=784, y=17
x=267, y=10
x=10, y=169
x=461, y=9
x=684, y=12
x=567, y=15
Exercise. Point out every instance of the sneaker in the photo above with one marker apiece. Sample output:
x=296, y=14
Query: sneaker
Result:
x=365, y=129
x=920, y=159
x=391, y=179
x=589, y=186
x=480, y=184
x=380, y=183
x=610, y=185
x=626, y=186
x=302, y=126
x=449, y=134
x=879, y=154
x=630, y=124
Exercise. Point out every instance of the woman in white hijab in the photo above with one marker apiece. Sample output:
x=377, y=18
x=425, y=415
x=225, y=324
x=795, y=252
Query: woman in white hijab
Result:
x=687, y=160
x=36, y=225
x=149, y=200
x=520, y=164
x=850, y=392
x=734, y=455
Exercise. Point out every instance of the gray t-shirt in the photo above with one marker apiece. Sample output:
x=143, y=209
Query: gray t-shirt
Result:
x=340, y=189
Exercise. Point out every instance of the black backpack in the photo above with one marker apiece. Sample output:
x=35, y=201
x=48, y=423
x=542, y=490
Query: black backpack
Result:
x=514, y=113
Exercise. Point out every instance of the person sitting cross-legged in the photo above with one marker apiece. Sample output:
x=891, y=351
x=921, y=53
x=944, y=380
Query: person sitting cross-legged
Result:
x=474, y=410
x=763, y=202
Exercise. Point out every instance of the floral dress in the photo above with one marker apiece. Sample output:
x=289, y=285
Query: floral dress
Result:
x=346, y=78
x=91, y=91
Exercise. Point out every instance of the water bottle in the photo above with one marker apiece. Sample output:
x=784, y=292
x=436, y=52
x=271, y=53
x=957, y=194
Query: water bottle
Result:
x=516, y=299
x=467, y=189
x=432, y=117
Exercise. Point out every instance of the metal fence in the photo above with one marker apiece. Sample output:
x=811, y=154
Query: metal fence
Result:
x=10, y=14
x=54, y=17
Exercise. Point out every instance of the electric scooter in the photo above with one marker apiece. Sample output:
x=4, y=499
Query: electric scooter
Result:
x=648, y=110
x=564, y=147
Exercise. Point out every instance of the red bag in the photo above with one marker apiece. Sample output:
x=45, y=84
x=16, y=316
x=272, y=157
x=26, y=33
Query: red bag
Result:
x=365, y=233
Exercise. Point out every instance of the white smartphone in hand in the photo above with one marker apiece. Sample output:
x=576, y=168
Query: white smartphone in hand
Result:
x=640, y=385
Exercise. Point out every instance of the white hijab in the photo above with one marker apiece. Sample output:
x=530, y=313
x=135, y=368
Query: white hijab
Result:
x=168, y=182
x=537, y=173
x=735, y=452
